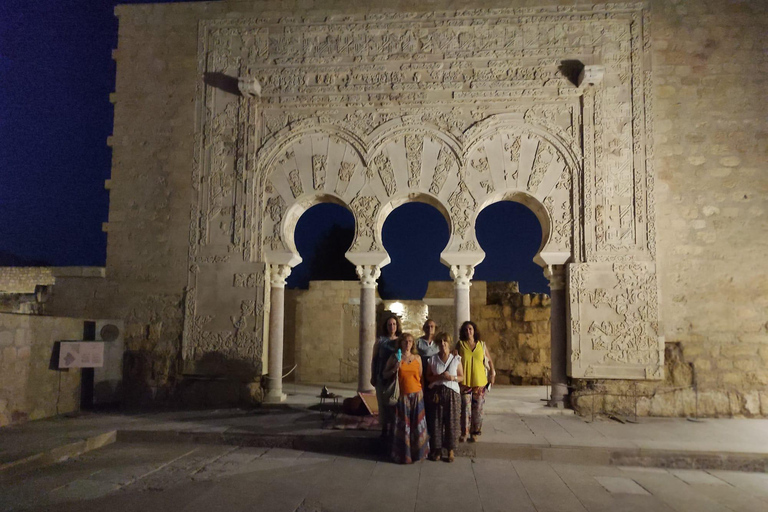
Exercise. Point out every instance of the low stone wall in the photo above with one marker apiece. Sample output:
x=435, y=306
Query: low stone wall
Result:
x=24, y=279
x=687, y=389
x=322, y=328
x=517, y=330
x=29, y=389
x=327, y=331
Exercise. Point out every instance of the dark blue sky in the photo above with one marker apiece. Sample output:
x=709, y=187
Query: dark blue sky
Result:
x=415, y=234
x=56, y=76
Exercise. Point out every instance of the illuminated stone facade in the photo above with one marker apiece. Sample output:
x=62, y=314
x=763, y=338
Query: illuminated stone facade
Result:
x=604, y=119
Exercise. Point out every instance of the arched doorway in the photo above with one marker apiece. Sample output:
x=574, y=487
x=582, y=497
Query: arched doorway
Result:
x=515, y=316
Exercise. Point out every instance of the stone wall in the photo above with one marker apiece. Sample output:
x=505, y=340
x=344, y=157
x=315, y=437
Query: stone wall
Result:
x=517, y=330
x=708, y=150
x=327, y=331
x=24, y=279
x=711, y=148
x=322, y=328
x=29, y=389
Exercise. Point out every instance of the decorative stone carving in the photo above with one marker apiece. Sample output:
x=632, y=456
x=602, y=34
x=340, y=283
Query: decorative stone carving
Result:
x=462, y=275
x=368, y=275
x=414, y=145
x=442, y=169
x=278, y=274
x=386, y=173
x=617, y=333
x=483, y=113
x=366, y=209
x=462, y=205
x=318, y=171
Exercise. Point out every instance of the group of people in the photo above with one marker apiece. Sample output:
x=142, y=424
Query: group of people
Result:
x=442, y=389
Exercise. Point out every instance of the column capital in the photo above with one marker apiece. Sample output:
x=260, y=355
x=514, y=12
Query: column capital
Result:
x=278, y=273
x=555, y=274
x=368, y=275
x=462, y=275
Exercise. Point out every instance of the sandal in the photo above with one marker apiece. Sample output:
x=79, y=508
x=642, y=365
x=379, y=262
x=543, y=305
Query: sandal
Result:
x=462, y=439
x=473, y=438
x=450, y=457
x=434, y=455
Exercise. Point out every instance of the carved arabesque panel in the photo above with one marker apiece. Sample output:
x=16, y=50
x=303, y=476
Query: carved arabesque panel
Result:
x=614, y=330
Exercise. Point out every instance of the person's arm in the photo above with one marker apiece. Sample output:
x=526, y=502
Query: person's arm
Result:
x=373, y=362
x=392, y=366
x=421, y=370
x=459, y=372
x=431, y=377
x=490, y=363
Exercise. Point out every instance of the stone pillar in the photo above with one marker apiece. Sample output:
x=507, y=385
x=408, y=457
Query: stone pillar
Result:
x=462, y=278
x=277, y=275
x=556, y=276
x=368, y=275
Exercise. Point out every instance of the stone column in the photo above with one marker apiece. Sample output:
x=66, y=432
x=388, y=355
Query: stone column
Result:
x=556, y=276
x=368, y=275
x=462, y=278
x=277, y=275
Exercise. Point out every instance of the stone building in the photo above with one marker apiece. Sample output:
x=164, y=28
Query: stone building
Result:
x=636, y=132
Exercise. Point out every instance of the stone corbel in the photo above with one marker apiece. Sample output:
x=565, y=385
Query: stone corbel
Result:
x=249, y=87
x=368, y=275
x=592, y=74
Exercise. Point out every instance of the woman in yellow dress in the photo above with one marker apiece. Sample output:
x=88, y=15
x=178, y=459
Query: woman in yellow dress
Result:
x=474, y=354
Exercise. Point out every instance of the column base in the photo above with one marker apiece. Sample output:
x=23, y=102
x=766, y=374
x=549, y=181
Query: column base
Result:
x=556, y=403
x=275, y=397
x=366, y=390
x=559, y=397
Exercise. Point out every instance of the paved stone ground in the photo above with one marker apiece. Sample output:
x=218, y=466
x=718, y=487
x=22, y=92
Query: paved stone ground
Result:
x=183, y=477
x=517, y=427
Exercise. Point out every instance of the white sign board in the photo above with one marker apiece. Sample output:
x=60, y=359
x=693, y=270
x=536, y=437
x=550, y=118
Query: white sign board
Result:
x=81, y=354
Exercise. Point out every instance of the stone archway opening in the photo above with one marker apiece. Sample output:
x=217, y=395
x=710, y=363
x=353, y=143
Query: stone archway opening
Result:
x=322, y=236
x=514, y=314
x=413, y=234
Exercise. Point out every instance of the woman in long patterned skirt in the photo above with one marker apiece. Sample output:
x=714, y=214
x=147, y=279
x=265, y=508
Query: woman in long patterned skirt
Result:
x=444, y=372
x=411, y=441
x=474, y=355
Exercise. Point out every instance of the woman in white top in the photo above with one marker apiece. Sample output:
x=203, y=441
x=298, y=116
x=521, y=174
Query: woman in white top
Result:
x=444, y=372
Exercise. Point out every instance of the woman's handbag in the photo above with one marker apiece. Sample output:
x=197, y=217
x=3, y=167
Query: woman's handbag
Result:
x=393, y=390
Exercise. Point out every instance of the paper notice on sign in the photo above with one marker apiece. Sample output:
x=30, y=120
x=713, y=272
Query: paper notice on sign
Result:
x=81, y=354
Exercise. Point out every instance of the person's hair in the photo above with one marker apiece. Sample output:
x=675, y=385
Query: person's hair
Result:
x=385, y=332
x=464, y=336
x=424, y=327
x=443, y=336
x=404, y=336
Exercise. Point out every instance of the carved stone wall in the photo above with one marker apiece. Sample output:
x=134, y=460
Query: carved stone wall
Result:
x=459, y=108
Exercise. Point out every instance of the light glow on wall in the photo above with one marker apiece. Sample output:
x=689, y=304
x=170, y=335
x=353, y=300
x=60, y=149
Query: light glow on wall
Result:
x=397, y=308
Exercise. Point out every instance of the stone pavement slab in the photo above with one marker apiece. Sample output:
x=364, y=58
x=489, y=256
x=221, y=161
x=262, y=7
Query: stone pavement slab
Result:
x=138, y=477
x=740, y=444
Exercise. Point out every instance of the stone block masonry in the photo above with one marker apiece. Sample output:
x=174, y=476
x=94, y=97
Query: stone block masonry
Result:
x=24, y=279
x=29, y=388
x=325, y=319
x=178, y=233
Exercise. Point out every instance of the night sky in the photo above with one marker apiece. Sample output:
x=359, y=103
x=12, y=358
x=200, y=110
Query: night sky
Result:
x=56, y=74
